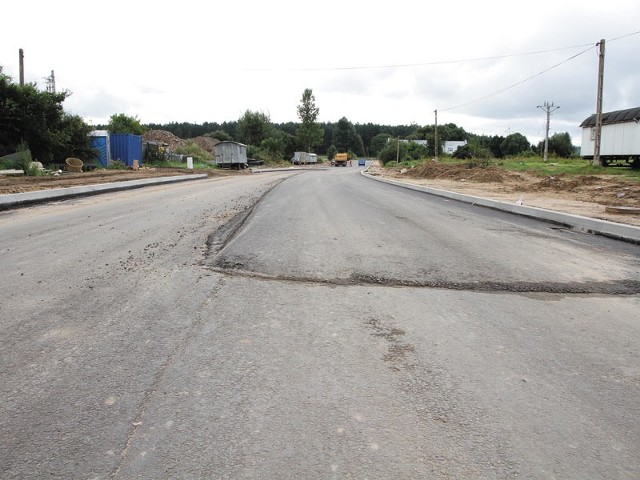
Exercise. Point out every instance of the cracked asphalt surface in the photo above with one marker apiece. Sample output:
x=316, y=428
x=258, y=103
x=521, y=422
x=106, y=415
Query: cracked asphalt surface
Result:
x=318, y=325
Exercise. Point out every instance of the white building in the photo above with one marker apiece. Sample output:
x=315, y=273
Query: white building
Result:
x=450, y=146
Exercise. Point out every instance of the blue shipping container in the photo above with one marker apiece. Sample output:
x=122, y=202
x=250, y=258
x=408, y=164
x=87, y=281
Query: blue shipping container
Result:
x=126, y=148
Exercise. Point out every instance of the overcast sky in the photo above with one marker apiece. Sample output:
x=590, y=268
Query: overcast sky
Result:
x=390, y=63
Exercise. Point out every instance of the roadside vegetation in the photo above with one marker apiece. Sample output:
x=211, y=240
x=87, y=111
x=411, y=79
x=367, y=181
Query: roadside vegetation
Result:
x=35, y=128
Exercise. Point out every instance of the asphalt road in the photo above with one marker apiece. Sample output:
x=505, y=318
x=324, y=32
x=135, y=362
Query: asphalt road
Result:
x=341, y=328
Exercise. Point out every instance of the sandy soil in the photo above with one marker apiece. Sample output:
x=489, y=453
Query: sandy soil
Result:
x=588, y=196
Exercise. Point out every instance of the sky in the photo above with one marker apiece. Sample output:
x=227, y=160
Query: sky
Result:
x=485, y=66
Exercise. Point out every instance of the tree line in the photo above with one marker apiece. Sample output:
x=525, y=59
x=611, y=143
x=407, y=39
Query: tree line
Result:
x=34, y=119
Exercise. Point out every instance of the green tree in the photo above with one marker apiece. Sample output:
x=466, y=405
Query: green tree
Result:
x=122, y=123
x=309, y=133
x=559, y=144
x=37, y=119
x=392, y=151
x=274, y=145
x=72, y=139
x=344, y=135
x=416, y=151
x=331, y=152
x=514, y=144
x=378, y=143
x=219, y=135
x=358, y=146
x=254, y=127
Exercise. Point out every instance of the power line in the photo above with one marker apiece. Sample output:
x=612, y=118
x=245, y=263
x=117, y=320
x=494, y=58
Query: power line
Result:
x=424, y=64
x=441, y=62
x=624, y=36
x=484, y=97
x=412, y=65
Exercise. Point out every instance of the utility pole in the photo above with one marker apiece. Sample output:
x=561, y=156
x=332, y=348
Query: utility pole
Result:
x=547, y=108
x=51, y=83
x=598, y=128
x=21, y=63
x=435, y=136
x=398, y=151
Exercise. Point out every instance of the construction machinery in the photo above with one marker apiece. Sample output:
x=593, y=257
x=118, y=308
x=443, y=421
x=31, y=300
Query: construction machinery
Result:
x=340, y=160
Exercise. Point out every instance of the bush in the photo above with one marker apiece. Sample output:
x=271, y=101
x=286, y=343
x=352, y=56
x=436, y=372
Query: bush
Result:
x=393, y=151
x=192, y=149
x=117, y=165
x=478, y=162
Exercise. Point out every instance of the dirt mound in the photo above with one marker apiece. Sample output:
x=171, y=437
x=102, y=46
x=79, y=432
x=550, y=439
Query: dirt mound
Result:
x=561, y=182
x=163, y=136
x=206, y=143
x=173, y=142
x=434, y=170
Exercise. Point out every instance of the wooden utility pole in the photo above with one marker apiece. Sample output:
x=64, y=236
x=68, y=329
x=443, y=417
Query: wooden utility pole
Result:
x=598, y=128
x=547, y=108
x=435, y=136
x=21, y=63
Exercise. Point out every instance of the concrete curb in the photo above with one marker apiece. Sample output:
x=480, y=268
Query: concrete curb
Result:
x=618, y=231
x=14, y=200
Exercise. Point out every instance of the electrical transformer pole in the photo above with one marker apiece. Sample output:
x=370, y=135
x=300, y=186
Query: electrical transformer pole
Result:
x=547, y=108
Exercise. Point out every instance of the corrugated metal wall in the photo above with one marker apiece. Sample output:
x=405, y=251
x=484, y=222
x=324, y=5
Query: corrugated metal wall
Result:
x=126, y=148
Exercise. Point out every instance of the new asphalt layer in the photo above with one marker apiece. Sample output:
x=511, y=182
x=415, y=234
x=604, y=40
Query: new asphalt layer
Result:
x=591, y=225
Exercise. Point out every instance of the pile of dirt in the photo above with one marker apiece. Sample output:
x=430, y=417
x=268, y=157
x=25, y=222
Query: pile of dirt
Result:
x=206, y=143
x=603, y=189
x=172, y=142
x=458, y=172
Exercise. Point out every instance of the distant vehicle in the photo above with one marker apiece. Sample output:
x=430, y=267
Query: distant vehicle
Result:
x=340, y=160
x=620, y=137
x=300, y=158
x=362, y=162
x=304, y=158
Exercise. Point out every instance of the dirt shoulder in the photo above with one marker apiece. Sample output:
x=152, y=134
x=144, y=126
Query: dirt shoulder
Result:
x=587, y=196
x=17, y=184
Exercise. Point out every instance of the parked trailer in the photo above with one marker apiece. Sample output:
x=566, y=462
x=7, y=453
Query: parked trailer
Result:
x=313, y=158
x=231, y=154
x=619, y=139
x=300, y=158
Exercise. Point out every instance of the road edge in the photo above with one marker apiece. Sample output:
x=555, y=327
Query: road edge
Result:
x=16, y=200
x=618, y=231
